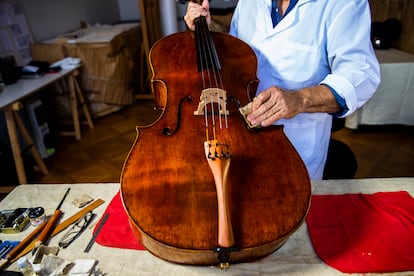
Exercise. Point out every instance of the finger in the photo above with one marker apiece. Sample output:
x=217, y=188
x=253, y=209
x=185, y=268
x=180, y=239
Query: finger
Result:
x=273, y=115
x=266, y=109
x=193, y=11
x=206, y=5
x=257, y=107
x=261, y=99
x=258, y=115
x=267, y=118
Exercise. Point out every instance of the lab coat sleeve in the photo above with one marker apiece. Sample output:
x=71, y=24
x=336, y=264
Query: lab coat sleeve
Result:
x=233, y=25
x=355, y=73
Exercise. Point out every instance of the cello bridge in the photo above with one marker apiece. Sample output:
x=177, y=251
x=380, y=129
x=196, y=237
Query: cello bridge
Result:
x=210, y=96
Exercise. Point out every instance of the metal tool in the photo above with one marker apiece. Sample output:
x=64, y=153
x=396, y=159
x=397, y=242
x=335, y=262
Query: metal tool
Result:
x=95, y=235
x=6, y=249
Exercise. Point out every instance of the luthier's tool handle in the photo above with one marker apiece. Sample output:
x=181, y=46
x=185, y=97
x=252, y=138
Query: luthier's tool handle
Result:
x=21, y=246
x=47, y=231
x=63, y=225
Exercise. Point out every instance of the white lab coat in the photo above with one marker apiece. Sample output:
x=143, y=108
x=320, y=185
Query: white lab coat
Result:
x=318, y=42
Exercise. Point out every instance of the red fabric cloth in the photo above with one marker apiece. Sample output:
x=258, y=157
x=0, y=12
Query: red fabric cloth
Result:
x=361, y=233
x=116, y=231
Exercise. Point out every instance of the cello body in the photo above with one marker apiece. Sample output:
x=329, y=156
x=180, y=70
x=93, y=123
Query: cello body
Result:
x=167, y=187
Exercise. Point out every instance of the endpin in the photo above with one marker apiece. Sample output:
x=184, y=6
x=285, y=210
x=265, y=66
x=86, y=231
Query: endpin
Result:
x=224, y=256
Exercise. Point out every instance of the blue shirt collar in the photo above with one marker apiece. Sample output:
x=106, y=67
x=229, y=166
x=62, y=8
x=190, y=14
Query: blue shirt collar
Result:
x=275, y=12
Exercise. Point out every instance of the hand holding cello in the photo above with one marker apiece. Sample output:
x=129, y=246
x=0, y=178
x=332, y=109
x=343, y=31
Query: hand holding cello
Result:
x=195, y=10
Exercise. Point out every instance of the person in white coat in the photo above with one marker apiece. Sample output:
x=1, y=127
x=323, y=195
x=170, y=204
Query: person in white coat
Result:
x=315, y=61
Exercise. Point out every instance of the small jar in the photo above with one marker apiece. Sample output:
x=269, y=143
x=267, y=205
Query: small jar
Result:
x=25, y=266
x=37, y=216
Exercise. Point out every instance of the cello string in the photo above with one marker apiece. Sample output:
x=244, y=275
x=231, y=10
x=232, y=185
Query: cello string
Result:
x=212, y=59
x=208, y=65
x=201, y=67
x=216, y=67
x=205, y=72
x=208, y=60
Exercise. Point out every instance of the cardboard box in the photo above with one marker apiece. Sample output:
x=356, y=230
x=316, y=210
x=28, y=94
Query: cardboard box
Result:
x=110, y=72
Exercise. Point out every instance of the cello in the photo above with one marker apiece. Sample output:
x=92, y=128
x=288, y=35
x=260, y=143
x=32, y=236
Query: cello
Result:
x=200, y=185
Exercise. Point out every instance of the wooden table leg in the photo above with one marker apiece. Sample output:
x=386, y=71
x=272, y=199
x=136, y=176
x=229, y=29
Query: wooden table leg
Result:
x=74, y=106
x=83, y=103
x=29, y=141
x=75, y=95
x=14, y=142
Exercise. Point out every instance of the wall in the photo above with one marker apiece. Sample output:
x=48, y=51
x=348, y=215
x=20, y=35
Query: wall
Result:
x=129, y=10
x=49, y=18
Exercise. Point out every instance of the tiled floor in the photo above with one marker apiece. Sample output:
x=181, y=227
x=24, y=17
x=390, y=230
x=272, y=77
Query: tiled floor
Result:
x=99, y=155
